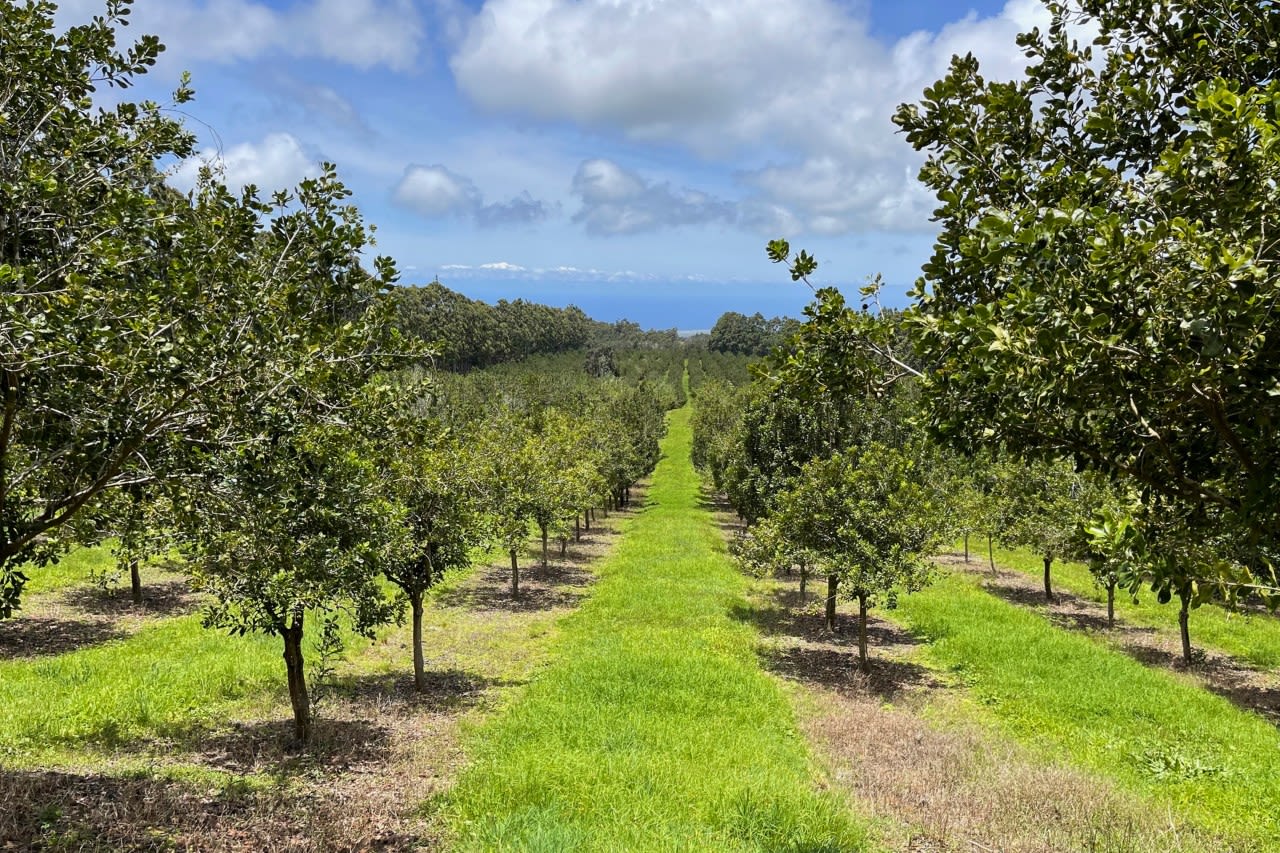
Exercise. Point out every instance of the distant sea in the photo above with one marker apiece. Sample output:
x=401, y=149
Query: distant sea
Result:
x=688, y=305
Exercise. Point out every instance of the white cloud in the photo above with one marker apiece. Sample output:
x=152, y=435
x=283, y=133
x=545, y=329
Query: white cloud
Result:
x=436, y=192
x=363, y=33
x=277, y=162
x=618, y=201
x=800, y=86
x=503, y=266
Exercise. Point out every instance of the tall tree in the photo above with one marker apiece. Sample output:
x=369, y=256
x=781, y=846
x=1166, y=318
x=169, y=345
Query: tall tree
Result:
x=1104, y=283
x=134, y=322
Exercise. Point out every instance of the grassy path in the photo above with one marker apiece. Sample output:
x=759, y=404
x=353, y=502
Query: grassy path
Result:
x=655, y=729
x=1070, y=697
x=1251, y=637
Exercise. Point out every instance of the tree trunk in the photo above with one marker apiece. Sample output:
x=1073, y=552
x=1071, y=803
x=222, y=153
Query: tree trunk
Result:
x=543, y=528
x=297, y=680
x=1111, y=604
x=1048, y=589
x=515, y=574
x=577, y=527
x=135, y=581
x=863, y=663
x=966, y=546
x=804, y=580
x=419, y=674
x=991, y=553
x=564, y=546
x=1184, y=618
x=833, y=582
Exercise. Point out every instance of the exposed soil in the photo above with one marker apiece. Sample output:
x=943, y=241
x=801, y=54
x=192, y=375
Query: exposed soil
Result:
x=59, y=622
x=382, y=754
x=1246, y=685
x=940, y=786
x=936, y=783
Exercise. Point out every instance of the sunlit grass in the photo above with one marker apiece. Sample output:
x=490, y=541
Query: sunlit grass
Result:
x=72, y=569
x=1251, y=637
x=655, y=728
x=168, y=678
x=1072, y=698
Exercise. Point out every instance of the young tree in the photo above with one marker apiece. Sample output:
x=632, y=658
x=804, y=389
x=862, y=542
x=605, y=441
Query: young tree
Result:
x=133, y=519
x=871, y=518
x=509, y=470
x=765, y=549
x=1043, y=505
x=562, y=473
x=431, y=475
x=289, y=526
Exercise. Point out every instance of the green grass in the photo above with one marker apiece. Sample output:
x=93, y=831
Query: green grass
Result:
x=169, y=678
x=172, y=678
x=655, y=728
x=1249, y=637
x=78, y=566
x=72, y=569
x=1072, y=698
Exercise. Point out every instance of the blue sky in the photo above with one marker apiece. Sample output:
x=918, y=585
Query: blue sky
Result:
x=628, y=156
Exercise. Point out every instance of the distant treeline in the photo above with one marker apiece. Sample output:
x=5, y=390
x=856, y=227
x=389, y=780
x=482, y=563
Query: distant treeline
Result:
x=470, y=334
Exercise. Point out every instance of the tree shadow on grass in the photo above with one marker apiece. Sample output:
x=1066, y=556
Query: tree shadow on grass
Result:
x=43, y=636
x=267, y=747
x=837, y=669
x=556, y=587
x=1066, y=610
x=726, y=517
x=447, y=691
x=164, y=598
x=804, y=650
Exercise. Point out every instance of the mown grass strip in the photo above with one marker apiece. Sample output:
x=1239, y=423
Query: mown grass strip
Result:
x=167, y=679
x=655, y=729
x=1254, y=638
x=1072, y=698
x=171, y=679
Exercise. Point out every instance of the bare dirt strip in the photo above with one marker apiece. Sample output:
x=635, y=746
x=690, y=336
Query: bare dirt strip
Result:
x=381, y=752
x=905, y=747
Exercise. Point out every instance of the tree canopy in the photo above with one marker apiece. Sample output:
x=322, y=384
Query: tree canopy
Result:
x=1105, y=278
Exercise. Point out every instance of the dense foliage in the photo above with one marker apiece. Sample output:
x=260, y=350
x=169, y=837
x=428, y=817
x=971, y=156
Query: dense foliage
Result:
x=1101, y=296
x=1104, y=284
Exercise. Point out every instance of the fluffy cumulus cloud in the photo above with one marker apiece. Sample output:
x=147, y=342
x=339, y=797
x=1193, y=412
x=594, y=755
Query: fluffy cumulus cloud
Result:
x=798, y=94
x=363, y=33
x=277, y=162
x=618, y=201
x=437, y=192
x=434, y=191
